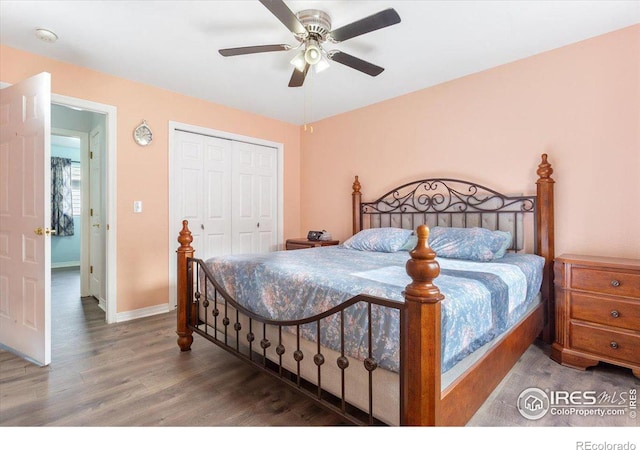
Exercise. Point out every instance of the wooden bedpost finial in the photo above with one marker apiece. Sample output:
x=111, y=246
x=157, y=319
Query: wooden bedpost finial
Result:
x=184, y=237
x=422, y=329
x=356, y=185
x=545, y=241
x=185, y=251
x=545, y=170
x=356, y=199
x=423, y=269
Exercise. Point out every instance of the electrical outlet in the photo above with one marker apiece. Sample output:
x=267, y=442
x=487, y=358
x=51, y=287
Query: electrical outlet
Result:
x=137, y=206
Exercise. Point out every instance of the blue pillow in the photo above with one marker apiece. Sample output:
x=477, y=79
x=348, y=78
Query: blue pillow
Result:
x=386, y=240
x=411, y=243
x=474, y=244
x=505, y=244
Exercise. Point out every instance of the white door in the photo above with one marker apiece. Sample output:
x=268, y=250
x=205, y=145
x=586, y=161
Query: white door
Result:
x=203, y=179
x=216, y=208
x=25, y=218
x=96, y=239
x=208, y=187
x=254, y=198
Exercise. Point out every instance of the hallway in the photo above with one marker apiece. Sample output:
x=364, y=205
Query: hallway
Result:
x=71, y=316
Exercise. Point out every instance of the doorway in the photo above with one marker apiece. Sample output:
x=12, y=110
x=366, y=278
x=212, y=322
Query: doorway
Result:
x=95, y=125
x=75, y=150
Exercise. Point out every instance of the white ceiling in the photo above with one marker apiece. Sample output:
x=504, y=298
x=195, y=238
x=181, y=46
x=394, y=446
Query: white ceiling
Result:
x=174, y=45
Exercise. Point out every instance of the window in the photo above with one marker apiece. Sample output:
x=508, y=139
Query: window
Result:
x=75, y=188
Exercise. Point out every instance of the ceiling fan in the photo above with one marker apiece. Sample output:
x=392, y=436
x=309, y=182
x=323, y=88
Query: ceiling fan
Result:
x=311, y=28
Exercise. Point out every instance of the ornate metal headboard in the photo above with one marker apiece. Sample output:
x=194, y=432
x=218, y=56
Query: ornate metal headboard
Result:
x=447, y=202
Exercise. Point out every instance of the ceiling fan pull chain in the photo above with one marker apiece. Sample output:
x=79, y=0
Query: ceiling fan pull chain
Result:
x=308, y=111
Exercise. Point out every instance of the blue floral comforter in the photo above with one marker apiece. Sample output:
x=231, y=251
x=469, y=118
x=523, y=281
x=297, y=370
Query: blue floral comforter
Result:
x=482, y=299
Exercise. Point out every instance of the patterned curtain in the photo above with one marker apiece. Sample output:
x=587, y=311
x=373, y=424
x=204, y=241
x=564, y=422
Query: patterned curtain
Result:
x=61, y=197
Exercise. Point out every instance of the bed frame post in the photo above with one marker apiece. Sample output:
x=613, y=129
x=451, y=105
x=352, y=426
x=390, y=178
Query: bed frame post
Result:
x=545, y=243
x=421, y=330
x=185, y=251
x=357, y=200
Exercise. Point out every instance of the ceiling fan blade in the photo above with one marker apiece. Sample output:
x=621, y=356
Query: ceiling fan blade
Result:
x=355, y=63
x=285, y=15
x=297, y=77
x=254, y=49
x=374, y=22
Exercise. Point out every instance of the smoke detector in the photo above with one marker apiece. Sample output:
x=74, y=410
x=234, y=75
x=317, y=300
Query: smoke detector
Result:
x=46, y=35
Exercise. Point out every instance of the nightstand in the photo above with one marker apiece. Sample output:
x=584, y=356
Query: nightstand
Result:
x=597, y=311
x=296, y=244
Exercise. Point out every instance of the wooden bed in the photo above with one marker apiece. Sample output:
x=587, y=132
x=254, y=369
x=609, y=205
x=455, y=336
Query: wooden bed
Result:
x=421, y=400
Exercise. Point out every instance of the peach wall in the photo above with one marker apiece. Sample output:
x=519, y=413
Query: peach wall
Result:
x=142, y=173
x=580, y=104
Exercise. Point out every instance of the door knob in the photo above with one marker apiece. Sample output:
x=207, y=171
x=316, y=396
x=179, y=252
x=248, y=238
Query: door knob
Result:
x=40, y=231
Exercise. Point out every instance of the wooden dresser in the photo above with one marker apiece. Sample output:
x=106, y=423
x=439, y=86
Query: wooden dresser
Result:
x=597, y=311
x=296, y=244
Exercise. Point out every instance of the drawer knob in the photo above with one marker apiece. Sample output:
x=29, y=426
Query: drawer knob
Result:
x=615, y=314
x=615, y=283
x=613, y=344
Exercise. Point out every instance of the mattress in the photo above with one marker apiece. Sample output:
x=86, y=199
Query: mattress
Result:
x=482, y=299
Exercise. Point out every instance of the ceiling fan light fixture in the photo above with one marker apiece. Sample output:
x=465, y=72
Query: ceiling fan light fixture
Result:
x=299, y=61
x=312, y=53
x=321, y=65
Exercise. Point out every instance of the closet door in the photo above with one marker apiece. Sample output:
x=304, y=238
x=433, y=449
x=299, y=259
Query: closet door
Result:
x=227, y=190
x=216, y=207
x=203, y=178
x=254, y=198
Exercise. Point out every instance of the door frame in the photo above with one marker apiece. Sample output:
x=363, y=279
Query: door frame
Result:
x=174, y=220
x=110, y=196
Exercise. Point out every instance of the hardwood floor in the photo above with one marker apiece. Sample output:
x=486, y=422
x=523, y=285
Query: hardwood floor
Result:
x=133, y=374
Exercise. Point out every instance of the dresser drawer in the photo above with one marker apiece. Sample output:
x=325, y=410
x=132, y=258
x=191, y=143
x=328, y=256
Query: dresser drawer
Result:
x=620, y=345
x=606, y=311
x=294, y=246
x=298, y=244
x=605, y=281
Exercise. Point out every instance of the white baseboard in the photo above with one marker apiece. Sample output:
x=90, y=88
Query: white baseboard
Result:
x=142, y=312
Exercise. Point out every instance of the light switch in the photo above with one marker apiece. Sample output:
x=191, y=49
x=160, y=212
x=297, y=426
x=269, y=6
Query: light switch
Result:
x=137, y=206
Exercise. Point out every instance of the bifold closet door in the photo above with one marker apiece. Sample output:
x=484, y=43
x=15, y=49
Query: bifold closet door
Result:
x=254, y=198
x=227, y=190
x=204, y=181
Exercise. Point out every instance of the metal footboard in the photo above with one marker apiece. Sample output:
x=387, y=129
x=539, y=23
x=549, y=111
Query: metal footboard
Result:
x=279, y=348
